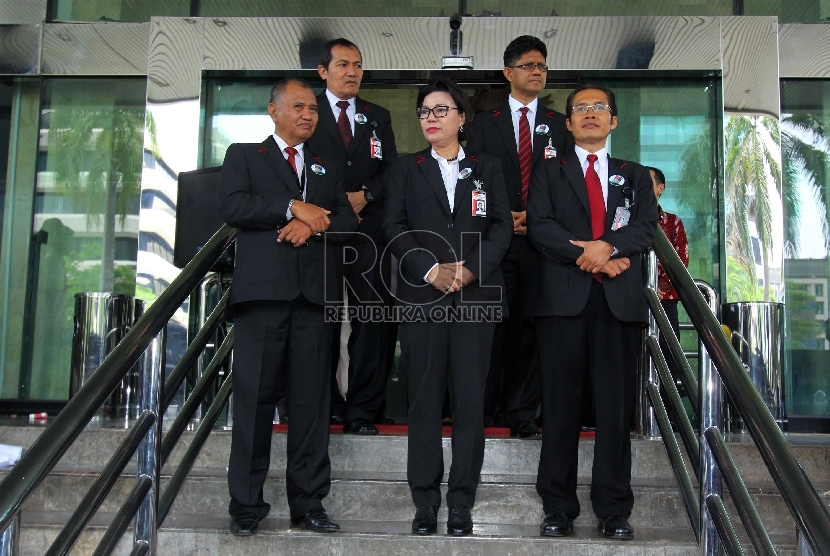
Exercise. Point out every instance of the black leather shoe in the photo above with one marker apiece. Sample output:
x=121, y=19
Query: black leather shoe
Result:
x=244, y=525
x=616, y=527
x=316, y=520
x=556, y=524
x=460, y=522
x=363, y=427
x=426, y=520
x=336, y=419
x=526, y=429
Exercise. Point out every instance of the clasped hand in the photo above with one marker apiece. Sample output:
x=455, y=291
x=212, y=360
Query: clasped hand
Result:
x=450, y=277
x=315, y=217
x=596, y=257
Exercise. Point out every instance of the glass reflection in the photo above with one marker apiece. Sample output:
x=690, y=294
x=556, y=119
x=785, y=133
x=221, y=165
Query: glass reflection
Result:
x=754, y=217
x=86, y=215
x=805, y=121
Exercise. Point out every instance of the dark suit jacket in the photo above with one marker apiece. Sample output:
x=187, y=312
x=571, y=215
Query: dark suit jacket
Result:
x=358, y=166
x=257, y=184
x=558, y=211
x=492, y=132
x=421, y=230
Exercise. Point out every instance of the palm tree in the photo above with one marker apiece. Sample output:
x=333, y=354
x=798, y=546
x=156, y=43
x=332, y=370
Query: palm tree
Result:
x=98, y=156
x=804, y=149
x=749, y=161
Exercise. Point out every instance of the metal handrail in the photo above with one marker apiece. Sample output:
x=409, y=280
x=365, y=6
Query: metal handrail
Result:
x=122, y=518
x=811, y=515
x=740, y=495
x=193, y=352
x=50, y=446
x=691, y=501
x=93, y=499
x=723, y=524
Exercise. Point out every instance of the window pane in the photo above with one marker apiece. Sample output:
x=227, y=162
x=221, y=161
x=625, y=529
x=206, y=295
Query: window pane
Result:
x=805, y=107
x=85, y=228
x=117, y=10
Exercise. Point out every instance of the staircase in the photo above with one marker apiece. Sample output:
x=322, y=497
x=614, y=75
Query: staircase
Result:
x=370, y=499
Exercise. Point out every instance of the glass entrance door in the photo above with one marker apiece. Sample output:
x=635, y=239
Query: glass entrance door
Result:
x=672, y=123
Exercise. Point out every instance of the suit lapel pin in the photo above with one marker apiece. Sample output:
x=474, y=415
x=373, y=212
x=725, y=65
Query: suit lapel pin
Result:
x=542, y=129
x=360, y=118
x=616, y=180
x=420, y=159
x=317, y=169
x=262, y=149
x=550, y=114
x=496, y=113
x=465, y=173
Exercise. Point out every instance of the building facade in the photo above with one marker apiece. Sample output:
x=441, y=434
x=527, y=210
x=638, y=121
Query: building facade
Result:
x=103, y=103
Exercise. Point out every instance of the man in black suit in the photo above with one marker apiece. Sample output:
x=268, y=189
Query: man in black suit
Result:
x=513, y=387
x=590, y=216
x=283, y=197
x=359, y=135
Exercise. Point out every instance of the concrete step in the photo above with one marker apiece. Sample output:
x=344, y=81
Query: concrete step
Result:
x=386, y=497
x=208, y=536
x=387, y=454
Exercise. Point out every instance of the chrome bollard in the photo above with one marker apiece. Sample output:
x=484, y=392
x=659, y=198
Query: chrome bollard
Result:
x=146, y=521
x=10, y=538
x=645, y=419
x=711, y=415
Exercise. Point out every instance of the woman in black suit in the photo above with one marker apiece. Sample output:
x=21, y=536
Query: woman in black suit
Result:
x=448, y=224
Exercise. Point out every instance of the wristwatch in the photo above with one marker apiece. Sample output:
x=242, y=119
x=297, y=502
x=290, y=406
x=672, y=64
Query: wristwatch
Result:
x=368, y=194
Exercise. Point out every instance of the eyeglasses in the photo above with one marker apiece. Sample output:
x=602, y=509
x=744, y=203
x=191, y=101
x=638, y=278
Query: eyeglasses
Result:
x=597, y=108
x=440, y=111
x=531, y=66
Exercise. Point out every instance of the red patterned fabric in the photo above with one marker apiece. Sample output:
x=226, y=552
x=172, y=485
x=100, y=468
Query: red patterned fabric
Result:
x=674, y=230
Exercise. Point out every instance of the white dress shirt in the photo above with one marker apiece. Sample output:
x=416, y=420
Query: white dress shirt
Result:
x=449, y=172
x=298, y=160
x=515, y=110
x=350, y=111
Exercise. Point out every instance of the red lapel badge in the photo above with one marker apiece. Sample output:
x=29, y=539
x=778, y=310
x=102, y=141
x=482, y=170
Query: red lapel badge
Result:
x=496, y=113
x=317, y=158
x=622, y=165
x=366, y=107
x=420, y=159
x=262, y=149
x=550, y=114
x=562, y=161
x=474, y=158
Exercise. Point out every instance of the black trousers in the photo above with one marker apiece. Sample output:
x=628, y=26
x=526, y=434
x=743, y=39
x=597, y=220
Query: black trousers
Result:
x=274, y=338
x=596, y=344
x=367, y=277
x=514, y=382
x=437, y=356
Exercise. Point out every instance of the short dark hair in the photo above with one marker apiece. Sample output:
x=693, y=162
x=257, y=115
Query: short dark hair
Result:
x=612, y=100
x=325, y=54
x=520, y=46
x=279, y=87
x=661, y=178
x=459, y=97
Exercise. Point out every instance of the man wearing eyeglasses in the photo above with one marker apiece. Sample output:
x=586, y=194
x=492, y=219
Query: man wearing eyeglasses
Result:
x=521, y=133
x=359, y=135
x=590, y=216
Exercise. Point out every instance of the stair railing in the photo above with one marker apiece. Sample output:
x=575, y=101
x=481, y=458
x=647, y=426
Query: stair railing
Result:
x=147, y=339
x=708, y=452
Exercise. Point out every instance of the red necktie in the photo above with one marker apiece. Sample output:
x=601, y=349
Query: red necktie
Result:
x=596, y=202
x=291, y=160
x=343, y=123
x=525, y=152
